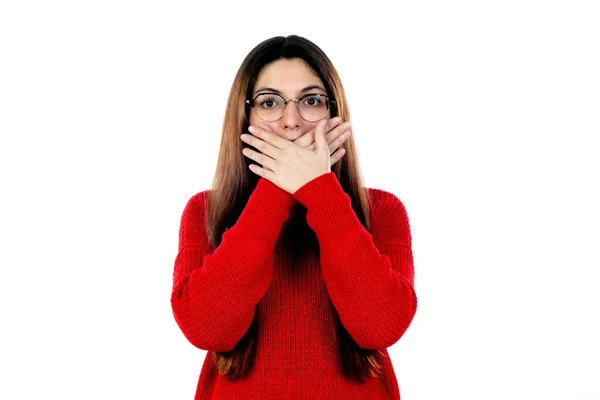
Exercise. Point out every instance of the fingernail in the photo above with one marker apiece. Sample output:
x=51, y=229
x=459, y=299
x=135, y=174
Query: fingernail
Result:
x=251, y=129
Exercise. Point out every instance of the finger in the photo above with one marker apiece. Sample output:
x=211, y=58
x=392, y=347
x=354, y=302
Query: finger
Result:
x=338, y=138
x=321, y=140
x=342, y=133
x=265, y=173
x=271, y=139
x=337, y=156
x=267, y=128
x=333, y=137
x=265, y=161
x=308, y=139
x=264, y=141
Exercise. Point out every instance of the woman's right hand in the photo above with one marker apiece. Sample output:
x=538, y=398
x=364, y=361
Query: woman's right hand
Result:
x=333, y=134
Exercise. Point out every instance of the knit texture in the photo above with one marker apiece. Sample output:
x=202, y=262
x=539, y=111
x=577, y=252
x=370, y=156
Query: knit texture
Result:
x=369, y=278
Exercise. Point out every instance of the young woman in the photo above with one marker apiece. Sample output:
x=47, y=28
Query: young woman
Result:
x=293, y=276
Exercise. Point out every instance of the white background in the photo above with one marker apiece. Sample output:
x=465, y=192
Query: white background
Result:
x=482, y=117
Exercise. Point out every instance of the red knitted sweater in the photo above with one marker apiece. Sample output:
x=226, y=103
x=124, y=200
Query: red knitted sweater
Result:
x=368, y=277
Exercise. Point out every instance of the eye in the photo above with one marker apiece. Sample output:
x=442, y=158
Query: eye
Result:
x=313, y=100
x=268, y=101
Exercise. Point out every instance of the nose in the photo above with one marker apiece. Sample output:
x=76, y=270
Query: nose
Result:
x=291, y=118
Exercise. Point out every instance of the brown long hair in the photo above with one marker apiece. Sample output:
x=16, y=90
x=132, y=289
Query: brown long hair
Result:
x=233, y=183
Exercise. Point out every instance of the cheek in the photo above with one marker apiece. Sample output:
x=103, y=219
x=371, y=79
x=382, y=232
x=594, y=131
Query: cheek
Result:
x=253, y=120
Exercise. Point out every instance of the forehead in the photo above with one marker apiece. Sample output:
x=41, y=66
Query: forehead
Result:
x=287, y=75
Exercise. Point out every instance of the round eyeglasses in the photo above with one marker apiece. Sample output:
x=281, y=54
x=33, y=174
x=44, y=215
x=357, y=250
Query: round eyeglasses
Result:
x=270, y=106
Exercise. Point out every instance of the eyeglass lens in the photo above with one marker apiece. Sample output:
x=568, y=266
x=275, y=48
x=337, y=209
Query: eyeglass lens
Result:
x=270, y=107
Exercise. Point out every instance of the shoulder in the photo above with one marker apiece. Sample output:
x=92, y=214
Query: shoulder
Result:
x=192, y=230
x=382, y=201
x=196, y=203
x=389, y=219
x=194, y=211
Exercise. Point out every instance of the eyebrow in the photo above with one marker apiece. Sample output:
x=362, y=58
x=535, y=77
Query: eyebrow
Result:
x=306, y=89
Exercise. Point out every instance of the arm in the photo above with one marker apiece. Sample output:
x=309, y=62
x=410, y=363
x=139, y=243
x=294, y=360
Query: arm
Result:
x=369, y=278
x=214, y=295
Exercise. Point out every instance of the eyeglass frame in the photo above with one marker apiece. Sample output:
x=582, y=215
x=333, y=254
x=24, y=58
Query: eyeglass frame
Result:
x=250, y=102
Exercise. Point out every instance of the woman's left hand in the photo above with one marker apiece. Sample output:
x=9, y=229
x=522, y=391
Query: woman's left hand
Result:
x=286, y=164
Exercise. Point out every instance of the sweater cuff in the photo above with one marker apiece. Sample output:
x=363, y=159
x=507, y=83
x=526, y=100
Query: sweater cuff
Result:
x=320, y=190
x=330, y=213
x=268, y=207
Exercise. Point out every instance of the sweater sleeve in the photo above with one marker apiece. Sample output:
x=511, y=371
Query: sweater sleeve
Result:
x=215, y=294
x=370, y=278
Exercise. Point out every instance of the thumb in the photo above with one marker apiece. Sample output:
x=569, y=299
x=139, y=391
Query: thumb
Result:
x=320, y=141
